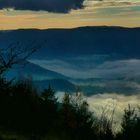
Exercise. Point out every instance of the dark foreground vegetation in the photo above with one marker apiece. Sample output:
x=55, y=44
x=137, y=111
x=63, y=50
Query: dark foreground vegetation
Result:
x=26, y=114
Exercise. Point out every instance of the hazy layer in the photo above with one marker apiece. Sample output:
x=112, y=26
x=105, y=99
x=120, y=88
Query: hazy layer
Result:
x=108, y=103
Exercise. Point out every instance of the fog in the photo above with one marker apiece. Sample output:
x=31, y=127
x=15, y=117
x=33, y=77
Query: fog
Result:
x=109, y=102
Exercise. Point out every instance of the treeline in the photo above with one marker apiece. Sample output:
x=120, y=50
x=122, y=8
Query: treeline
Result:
x=39, y=116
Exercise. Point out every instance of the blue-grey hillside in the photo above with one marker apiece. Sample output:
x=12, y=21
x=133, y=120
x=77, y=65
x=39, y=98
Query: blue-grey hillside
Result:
x=110, y=56
x=41, y=77
x=78, y=41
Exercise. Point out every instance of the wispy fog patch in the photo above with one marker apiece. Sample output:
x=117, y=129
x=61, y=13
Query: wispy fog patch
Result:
x=110, y=102
x=98, y=74
x=105, y=3
x=95, y=67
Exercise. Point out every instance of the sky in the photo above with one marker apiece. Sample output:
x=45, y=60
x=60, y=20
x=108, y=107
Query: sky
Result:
x=45, y=14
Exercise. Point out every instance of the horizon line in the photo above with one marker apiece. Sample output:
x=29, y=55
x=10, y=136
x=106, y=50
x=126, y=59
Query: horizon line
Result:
x=61, y=28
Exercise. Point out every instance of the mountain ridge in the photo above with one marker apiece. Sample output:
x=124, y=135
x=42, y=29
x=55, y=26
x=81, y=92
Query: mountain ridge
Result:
x=110, y=54
x=59, y=42
x=104, y=26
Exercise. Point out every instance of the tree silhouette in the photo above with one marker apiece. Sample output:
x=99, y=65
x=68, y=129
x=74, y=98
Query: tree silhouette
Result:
x=48, y=109
x=77, y=120
x=128, y=123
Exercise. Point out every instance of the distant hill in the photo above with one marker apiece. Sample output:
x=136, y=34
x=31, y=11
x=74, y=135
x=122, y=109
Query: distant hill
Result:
x=37, y=72
x=98, y=59
x=59, y=43
x=42, y=78
x=57, y=85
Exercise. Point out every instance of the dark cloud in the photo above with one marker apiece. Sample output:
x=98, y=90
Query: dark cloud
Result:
x=62, y=6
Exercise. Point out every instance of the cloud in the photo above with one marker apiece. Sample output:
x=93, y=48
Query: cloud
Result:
x=98, y=66
x=109, y=102
x=108, y=3
x=121, y=68
x=60, y=6
x=108, y=75
x=77, y=66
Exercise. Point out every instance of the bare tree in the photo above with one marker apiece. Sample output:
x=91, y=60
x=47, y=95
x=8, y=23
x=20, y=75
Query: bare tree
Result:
x=15, y=54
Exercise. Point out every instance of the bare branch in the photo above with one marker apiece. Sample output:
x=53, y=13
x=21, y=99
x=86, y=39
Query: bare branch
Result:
x=15, y=54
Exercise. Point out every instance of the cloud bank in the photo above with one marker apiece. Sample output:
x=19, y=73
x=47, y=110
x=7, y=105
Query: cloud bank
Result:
x=110, y=102
x=60, y=6
x=108, y=3
x=97, y=67
x=106, y=74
